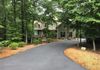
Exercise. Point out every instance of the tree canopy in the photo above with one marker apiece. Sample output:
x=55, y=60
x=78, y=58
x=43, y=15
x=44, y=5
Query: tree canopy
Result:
x=17, y=16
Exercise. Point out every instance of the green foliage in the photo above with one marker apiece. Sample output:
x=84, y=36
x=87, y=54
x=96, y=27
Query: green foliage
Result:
x=51, y=34
x=1, y=44
x=1, y=39
x=92, y=32
x=50, y=40
x=1, y=26
x=21, y=44
x=11, y=44
x=5, y=43
x=13, y=33
x=14, y=45
x=18, y=17
x=37, y=40
x=46, y=32
x=16, y=39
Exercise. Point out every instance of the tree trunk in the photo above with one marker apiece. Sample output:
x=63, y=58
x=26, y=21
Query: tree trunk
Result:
x=80, y=44
x=22, y=19
x=32, y=32
x=94, y=45
x=4, y=18
x=31, y=39
x=57, y=34
x=26, y=32
x=14, y=10
x=26, y=37
x=68, y=28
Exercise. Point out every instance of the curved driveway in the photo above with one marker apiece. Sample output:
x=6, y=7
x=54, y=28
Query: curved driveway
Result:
x=44, y=57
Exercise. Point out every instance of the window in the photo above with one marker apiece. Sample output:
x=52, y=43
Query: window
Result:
x=35, y=32
x=62, y=34
x=70, y=34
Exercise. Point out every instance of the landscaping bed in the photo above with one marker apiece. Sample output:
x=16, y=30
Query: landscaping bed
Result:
x=88, y=59
x=6, y=52
x=8, y=48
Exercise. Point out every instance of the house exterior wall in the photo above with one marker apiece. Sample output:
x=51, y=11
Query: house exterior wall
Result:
x=68, y=32
x=61, y=31
x=38, y=33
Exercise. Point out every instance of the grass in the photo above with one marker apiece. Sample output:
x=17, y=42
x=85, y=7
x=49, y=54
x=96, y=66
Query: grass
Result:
x=88, y=59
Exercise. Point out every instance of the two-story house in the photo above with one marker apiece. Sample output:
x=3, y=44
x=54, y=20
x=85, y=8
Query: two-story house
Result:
x=59, y=29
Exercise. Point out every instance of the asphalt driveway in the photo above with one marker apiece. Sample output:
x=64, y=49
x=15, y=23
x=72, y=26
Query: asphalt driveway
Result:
x=44, y=57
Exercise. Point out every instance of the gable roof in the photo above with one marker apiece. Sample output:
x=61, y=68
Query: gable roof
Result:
x=42, y=26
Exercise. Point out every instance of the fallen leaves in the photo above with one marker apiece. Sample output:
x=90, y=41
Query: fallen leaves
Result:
x=88, y=59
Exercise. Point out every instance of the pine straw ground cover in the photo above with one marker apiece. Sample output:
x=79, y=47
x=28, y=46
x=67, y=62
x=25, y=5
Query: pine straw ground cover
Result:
x=6, y=52
x=88, y=59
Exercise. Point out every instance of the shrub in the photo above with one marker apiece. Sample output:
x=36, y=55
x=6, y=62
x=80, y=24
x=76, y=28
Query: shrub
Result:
x=37, y=40
x=1, y=44
x=5, y=43
x=49, y=40
x=21, y=44
x=14, y=45
x=44, y=39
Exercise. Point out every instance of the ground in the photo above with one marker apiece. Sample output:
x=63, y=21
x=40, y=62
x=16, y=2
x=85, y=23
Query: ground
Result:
x=88, y=59
x=44, y=57
x=6, y=52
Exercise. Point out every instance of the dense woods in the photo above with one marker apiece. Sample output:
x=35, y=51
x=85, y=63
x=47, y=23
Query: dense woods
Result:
x=17, y=17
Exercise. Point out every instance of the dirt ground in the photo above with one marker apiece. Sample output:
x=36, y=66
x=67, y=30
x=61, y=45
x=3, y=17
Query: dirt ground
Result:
x=88, y=59
x=6, y=52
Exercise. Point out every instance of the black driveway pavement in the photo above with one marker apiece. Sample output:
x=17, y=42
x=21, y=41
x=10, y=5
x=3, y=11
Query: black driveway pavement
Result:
x=44, y=57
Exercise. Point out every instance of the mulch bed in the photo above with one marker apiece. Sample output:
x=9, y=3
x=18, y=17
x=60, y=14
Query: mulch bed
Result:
x=88, y=59
x=6, y=52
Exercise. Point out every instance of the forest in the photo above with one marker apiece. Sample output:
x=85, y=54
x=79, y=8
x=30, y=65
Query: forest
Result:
x=17, y=18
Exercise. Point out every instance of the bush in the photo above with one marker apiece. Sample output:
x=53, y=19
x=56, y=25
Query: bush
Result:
x=5, y=43
x=21, y=44
x=1, y=44
x=49, y=40
x=14, y=45
x=37, y=40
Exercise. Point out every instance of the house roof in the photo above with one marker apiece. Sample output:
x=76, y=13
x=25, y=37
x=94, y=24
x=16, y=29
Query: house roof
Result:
x=40, y=26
